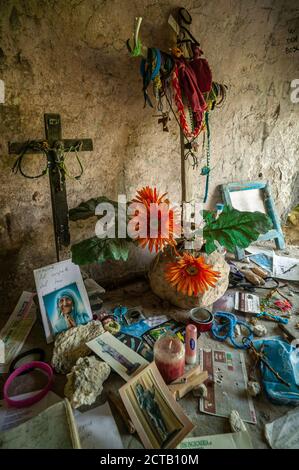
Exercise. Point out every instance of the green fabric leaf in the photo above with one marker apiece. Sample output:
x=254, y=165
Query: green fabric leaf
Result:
x=234, y=228
x=87, y=209
x=98, y=250
x=208, y=216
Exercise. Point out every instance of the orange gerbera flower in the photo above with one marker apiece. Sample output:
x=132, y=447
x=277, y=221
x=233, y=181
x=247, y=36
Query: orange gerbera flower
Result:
x=157, y=222
x=191, y=275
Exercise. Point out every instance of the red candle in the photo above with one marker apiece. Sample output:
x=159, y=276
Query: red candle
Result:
x=169, y=354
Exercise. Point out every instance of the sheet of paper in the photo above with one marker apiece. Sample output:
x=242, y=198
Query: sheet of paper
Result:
x=254, y=250
x=53, y=428
x=228, y=389
x=12, y=417
x=283, y=433
x=249, y=200
x=16, y=330
x=286, y=268
x=236, y=440
x=97, y=429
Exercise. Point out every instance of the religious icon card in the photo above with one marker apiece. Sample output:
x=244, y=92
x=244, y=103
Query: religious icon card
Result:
x=158, y=419
x=120, y=357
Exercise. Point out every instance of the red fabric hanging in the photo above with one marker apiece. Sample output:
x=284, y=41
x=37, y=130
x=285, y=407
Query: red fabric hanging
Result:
x=201, y=70
x=180, y=105
x=190, y=89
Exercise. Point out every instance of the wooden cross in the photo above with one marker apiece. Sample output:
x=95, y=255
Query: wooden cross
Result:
x=55, y=147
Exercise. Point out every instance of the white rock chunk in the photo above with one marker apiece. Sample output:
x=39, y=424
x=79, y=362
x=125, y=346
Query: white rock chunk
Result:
x=200, y=391
x=85, y=381
x=259, y=330
x=70, y=345
x=236, y=422
x=253, y=388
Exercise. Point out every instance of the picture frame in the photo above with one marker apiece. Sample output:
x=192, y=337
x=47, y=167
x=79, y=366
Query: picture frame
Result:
x=124, y=360
x=62, y=296
x=157, y=417
x=254, y=196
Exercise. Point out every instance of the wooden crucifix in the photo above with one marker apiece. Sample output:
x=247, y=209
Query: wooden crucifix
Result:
x=54, y=147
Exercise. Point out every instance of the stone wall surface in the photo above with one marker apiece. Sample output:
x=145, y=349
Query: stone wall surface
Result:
x=69, y=57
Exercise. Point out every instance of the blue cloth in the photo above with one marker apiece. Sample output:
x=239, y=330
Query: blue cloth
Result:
x=136, y=329
x=280, y=355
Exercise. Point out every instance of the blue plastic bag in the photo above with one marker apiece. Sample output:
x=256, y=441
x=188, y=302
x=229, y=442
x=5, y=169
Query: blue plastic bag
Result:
x=284, y=358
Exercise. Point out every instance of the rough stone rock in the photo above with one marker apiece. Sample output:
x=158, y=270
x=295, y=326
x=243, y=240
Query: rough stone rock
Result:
x=70, y=345
x=165, y=291
x=85, y=381
x=253, y=388
x=259, y=330
x=236, y=422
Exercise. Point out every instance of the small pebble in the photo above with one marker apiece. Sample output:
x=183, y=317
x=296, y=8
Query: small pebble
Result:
x=201, y=391
x=259, y=330
x=253, y=388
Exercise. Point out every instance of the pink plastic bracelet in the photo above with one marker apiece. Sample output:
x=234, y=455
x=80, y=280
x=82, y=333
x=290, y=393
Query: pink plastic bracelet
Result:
x=34, y=398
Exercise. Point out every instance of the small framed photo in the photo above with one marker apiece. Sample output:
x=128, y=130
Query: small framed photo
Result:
x=62, y=296
x=159, y=420
x=120, y=357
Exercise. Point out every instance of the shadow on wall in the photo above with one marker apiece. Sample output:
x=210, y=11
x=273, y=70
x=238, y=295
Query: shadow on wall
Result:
x=295, y=195
x=9, y=262
x=115, y=273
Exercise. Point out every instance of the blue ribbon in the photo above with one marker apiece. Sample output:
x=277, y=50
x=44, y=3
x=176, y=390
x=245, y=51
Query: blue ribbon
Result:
x=156, y=70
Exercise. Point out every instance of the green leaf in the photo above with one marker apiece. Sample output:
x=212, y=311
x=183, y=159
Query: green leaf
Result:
x=234, y=228
x=98, y=250
x=87, y=209
x=208, y=216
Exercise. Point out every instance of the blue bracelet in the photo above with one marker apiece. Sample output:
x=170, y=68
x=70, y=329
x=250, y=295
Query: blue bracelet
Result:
x=228, y=329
